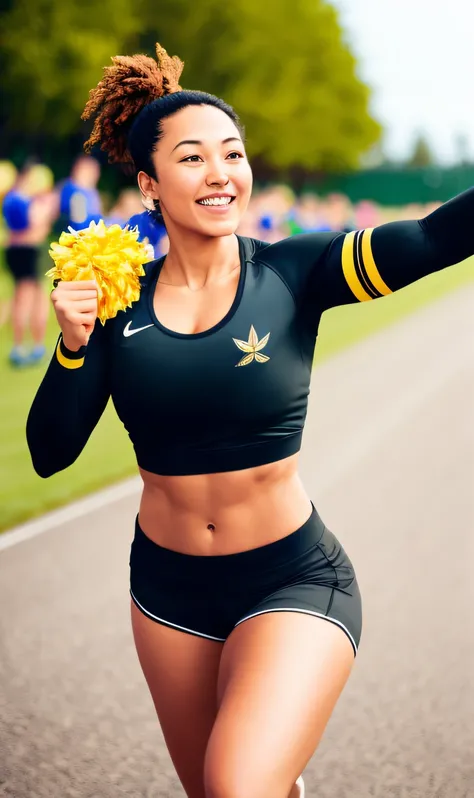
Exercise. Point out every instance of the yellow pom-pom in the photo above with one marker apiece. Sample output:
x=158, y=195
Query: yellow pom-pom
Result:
x=112, y=256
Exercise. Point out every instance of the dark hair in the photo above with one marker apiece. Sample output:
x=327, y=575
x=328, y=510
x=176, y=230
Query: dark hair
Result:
x=146, y=130
x=130, y=102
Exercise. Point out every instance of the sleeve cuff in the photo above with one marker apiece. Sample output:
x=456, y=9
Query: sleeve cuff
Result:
x=69, y=359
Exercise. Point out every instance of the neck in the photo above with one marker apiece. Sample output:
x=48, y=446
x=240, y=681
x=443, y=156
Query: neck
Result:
x=194, y=260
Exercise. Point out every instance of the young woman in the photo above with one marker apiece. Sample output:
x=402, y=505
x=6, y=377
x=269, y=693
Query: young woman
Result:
x=245, y=608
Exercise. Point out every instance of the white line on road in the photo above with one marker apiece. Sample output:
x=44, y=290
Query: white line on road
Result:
x=70, y=512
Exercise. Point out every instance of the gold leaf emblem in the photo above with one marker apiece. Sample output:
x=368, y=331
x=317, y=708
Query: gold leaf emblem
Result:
x=252, y=348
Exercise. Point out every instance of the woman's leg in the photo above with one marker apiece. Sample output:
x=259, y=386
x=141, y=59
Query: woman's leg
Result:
x=280, y=676
x=181, y=671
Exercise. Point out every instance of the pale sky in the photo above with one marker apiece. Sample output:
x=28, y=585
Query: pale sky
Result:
x=418, y=55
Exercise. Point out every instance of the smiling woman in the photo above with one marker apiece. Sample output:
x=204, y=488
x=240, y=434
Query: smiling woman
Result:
x=209, y=370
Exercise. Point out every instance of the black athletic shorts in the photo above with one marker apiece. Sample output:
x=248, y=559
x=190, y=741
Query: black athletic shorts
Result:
x=22, y=262
x=306, y=571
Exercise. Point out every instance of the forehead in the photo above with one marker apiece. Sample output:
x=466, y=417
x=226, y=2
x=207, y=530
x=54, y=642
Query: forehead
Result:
x=198, y=122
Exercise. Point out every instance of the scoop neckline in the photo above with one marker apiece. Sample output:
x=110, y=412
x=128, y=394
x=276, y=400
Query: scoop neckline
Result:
x=232, y=310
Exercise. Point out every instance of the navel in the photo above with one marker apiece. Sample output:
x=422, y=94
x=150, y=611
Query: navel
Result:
x=211, y=527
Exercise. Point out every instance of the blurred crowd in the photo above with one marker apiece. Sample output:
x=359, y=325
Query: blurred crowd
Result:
x=35, y=211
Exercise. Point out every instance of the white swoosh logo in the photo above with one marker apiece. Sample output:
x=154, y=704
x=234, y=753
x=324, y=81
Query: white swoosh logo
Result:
x=128, y=332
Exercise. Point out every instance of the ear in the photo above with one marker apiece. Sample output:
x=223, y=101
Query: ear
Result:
x=148, y=189
x=148, y=203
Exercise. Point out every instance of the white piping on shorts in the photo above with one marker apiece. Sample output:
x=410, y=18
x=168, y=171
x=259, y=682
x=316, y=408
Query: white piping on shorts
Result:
x=303, y=612
x=174, y=625
x=247, y=617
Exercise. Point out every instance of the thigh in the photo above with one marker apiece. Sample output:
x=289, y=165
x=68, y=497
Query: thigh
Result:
x=280, y=676
x=181, y=671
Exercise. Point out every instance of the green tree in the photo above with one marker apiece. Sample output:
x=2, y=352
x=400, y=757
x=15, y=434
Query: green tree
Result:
x=287, y=71
x=422, y=155
x=52, y=53
x=289, y=74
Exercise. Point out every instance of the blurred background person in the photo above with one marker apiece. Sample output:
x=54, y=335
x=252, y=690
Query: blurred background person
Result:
x=339, y=213
x=79, y=199
x=128, y=204
x=8, y=177
x=128, y=210
x=367, y=214
x=28, y=209
x=151, y=231
x=274, y=206
x=308, y=215
x=267, y=214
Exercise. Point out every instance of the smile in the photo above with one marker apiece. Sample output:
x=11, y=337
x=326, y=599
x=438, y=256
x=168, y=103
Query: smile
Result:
x=214, y=201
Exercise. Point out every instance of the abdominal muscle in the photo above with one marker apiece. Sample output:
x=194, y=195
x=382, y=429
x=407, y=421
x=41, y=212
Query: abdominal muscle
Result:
x=224, y=513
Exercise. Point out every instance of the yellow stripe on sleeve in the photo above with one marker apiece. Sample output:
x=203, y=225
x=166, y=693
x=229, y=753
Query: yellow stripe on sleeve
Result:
x=67, y=362
x=369, y=263
x=348, y=267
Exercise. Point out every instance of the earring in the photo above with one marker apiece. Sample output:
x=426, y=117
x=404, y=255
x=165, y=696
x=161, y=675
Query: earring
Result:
x=148, y=203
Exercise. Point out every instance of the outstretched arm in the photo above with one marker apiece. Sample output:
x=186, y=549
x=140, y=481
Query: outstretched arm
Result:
x=371, y=263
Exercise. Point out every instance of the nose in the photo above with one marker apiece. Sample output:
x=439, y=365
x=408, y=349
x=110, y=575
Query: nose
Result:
x=217, y=177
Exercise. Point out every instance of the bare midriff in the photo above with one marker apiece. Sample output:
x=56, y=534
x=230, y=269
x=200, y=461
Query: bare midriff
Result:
x=213, y=514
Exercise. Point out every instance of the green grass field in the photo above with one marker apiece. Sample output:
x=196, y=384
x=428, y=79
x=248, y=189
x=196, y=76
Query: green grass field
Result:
x=108, y=456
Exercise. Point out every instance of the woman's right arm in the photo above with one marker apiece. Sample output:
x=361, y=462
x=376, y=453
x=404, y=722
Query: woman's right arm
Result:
x=76, y=386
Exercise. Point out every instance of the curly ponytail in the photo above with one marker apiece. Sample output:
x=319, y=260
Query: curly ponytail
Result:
x=131, y=83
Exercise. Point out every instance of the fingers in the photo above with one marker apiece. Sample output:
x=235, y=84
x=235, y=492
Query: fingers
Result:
x=81, y=319
x=81, y=306
x=85, y=289
x=73, y=296
x=61, y=301
x=78, y=285
x=74, y=315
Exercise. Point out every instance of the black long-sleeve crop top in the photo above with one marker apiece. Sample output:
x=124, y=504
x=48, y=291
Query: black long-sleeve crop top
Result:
x=234, y=396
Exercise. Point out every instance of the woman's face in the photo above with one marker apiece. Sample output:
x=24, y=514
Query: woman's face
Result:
x=204, y=179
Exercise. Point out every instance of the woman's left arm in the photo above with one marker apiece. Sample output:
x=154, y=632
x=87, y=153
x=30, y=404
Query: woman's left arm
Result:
x=367, y=264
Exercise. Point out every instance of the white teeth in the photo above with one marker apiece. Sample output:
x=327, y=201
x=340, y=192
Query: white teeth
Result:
x=215, y=201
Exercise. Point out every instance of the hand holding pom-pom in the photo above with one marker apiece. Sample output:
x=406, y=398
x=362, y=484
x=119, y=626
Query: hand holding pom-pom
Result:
x=111, y=257
x=75, y=305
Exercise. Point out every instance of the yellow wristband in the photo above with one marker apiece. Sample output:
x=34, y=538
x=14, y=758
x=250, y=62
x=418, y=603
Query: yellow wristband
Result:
x=68, y=362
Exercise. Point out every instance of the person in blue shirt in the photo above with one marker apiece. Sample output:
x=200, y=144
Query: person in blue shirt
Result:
x=151, y=230
x=79, y=200
x=28, y=210
x=128, y=212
